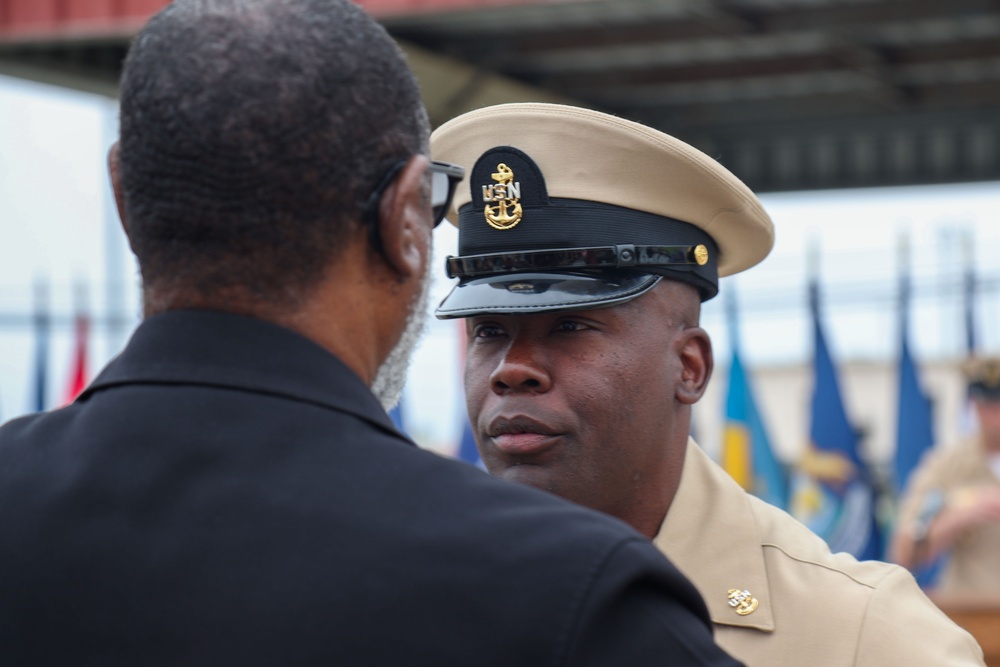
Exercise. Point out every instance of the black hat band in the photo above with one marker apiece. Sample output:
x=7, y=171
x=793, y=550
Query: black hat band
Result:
x=620, y=256
x=575, y=224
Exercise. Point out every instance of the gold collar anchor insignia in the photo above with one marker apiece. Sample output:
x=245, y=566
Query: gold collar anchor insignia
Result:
x=742, y=601
x=503, y=200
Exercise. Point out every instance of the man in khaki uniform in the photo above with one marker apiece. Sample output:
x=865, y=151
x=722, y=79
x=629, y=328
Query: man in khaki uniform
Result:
x=586, y=244
x=952, y=503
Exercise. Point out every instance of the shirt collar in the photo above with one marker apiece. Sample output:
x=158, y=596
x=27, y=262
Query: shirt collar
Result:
x=226, y=350
x=710, y=533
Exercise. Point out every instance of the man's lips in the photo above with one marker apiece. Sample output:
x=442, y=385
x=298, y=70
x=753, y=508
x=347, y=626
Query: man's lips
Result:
x=521, y=435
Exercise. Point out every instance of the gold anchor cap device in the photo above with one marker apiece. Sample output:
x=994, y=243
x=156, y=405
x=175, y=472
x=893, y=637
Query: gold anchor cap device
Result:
x=568, y=208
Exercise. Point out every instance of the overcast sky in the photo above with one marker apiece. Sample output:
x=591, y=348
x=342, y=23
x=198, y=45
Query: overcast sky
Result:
x=57, y=225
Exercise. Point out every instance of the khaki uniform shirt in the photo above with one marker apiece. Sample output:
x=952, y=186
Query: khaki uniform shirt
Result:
x=813, y=608
x=953, y=475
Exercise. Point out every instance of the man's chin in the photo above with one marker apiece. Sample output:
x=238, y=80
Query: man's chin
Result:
x=547, y=477
x=528, y=474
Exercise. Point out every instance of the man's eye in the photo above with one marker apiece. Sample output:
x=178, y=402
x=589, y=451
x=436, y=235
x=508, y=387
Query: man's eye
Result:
x=570, y=325
x=487, y=331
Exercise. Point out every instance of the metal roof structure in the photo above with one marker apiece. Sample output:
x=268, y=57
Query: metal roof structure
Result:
x=789, y=94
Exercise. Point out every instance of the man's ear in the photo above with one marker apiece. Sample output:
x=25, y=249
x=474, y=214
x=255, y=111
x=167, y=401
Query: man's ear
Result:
x=114, y=171
x=695, y=352
x=404, y=220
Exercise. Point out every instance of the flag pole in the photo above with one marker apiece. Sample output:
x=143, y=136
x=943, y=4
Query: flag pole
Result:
x=42, y=323
x=812, y=275
x=969, y=290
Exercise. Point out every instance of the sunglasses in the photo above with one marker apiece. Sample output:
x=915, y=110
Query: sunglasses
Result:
x=445, y=178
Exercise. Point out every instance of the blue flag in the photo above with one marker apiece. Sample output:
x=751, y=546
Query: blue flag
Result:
x=836, y=497
x=397, y=416
x=42, y=323
x=467, y=450
x=914, y=417
x=969, y=297
x=914, y=425
x=746, y=449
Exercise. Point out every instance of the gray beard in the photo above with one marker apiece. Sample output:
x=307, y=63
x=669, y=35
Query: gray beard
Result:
x=391, y=375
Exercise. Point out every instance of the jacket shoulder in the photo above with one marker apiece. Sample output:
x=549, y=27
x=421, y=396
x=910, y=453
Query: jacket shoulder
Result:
x=783, y=533
x=878, y=607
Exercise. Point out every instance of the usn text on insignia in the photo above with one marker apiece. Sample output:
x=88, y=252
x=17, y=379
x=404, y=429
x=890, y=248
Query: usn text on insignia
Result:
x=503, y=200
x=742, y=601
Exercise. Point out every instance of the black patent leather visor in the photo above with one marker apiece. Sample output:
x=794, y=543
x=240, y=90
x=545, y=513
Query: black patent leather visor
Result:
x=524, y=293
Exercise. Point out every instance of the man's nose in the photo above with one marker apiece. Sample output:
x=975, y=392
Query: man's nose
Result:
x=522, y=369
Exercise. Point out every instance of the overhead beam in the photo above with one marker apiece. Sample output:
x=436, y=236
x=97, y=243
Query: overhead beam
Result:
x=451, y=87
x=855, y=152
x=608, y=27
x=61, y=74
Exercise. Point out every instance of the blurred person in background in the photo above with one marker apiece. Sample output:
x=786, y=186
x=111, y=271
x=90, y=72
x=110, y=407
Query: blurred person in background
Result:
x=951, y=506
x=229, y=490
x=586, y=246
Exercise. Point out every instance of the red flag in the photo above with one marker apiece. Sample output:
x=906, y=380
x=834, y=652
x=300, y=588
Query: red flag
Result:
x=78, y=371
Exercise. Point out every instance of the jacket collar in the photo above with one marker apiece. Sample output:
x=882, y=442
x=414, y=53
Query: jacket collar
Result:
x=226, y=350
x=711, y=534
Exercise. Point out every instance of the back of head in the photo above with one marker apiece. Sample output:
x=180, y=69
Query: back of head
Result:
x=252, y=133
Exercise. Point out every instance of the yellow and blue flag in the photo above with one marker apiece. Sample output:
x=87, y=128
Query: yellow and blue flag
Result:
x=746, y=449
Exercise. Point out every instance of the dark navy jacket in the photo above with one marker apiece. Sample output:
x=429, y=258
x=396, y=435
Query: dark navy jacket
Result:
x=226, y=492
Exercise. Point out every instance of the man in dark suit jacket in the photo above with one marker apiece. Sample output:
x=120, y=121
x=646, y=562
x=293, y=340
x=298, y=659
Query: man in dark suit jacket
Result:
x=229, y=490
